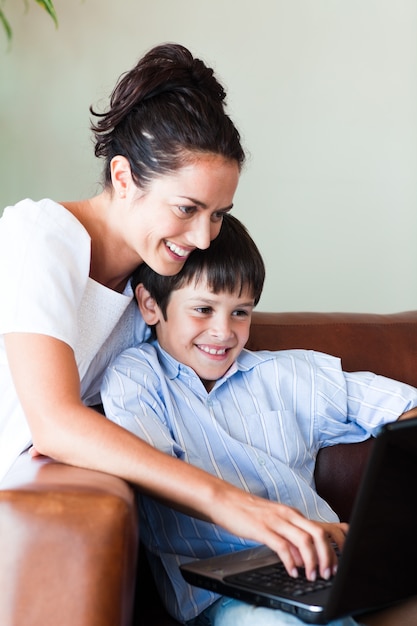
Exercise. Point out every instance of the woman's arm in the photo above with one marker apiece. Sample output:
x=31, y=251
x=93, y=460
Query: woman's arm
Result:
x=47, y=382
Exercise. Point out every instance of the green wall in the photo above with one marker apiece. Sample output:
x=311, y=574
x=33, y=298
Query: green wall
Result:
x=323, y=91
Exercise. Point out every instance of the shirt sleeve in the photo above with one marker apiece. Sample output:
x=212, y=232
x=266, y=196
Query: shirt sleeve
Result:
x=134, y=397
x=351, y=403
x=44, y=267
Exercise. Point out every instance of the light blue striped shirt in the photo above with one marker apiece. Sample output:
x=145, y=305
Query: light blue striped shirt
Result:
x=260, y=428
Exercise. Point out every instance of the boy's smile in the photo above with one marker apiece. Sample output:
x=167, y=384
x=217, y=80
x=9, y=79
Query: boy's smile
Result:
x=203, y=330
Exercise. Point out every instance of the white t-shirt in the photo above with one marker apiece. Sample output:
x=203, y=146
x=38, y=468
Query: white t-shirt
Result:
x=45, y=288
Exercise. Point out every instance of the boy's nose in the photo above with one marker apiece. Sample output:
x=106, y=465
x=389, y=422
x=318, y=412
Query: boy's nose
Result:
x=222, y=329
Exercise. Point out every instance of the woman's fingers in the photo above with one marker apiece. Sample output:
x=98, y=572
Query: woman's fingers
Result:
x=300, y=542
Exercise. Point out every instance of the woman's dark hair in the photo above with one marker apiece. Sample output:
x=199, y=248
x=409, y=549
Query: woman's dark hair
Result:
x=168, y=105
x=231, y=262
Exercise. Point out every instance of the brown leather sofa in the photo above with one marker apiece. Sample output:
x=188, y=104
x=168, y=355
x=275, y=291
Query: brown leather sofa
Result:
x=69, y=538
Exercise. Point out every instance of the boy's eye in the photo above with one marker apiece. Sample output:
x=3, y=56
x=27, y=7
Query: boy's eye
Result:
x=240, y=313
x=204, y=310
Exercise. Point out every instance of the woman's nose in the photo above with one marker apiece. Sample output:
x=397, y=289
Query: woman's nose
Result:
x=203, y=232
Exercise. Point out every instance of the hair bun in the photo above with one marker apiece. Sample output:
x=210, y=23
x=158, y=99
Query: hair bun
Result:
x=204, y=78
x=172, y=68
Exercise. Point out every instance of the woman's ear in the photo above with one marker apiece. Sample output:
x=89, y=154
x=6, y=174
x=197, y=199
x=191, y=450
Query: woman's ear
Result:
x=121, y=175
x=149, y=309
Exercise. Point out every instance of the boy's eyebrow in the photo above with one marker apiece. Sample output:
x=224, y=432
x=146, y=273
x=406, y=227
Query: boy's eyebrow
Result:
x=203, y=205
x=202, y=299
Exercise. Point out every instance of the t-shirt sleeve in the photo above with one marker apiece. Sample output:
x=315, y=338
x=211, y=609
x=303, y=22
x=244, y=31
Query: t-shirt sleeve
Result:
x=44, y=267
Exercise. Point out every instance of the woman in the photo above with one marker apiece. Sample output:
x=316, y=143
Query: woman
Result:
x=172, y=163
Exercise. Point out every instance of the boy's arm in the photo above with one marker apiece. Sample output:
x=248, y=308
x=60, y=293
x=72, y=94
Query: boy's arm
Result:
x=408, y=414
x=373, y=400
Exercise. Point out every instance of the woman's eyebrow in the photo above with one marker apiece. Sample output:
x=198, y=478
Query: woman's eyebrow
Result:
x=203, y=205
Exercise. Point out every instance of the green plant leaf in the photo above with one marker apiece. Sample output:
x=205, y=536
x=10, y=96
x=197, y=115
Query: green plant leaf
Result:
x=6, y=26
x=46, y=4
x=49, y=7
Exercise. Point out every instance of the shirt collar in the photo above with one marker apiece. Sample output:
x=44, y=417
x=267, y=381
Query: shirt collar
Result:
x=246, y=361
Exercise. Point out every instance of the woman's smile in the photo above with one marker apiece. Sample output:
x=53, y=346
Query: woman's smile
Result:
x=177, y=251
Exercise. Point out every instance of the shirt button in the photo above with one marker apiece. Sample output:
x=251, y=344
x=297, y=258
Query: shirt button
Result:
x=261, y=461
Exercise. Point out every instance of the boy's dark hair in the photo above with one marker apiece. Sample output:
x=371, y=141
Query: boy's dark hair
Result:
x=231, y=262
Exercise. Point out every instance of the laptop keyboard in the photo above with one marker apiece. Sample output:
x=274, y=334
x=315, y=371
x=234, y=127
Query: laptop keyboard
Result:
x=275, y=580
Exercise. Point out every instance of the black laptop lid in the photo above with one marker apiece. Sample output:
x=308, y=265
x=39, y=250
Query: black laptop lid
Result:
x=378, y=564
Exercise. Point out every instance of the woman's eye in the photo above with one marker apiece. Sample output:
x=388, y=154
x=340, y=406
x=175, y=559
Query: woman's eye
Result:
x=218, y=216
x=187, y=210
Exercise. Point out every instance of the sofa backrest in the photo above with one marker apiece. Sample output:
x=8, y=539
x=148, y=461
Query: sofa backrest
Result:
x=384, y=344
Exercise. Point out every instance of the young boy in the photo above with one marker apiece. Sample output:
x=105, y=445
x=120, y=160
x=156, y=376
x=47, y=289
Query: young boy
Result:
x=256, y=420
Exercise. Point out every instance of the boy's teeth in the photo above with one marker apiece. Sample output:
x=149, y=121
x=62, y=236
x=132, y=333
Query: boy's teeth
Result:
x=177, y=250
x=213, y=350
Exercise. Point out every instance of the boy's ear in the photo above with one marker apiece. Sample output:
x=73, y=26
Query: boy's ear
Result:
x=147, y=305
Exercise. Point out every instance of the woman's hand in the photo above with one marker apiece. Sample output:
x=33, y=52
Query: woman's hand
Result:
x=34, y=453
x=298, y=541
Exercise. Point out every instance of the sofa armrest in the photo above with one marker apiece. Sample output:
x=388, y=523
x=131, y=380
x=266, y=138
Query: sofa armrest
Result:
x=68, y=545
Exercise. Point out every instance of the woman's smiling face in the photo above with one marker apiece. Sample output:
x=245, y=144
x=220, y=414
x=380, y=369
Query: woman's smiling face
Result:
x=179, y=212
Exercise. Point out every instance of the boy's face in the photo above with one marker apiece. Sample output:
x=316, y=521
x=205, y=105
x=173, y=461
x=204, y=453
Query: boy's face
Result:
x=203, y=330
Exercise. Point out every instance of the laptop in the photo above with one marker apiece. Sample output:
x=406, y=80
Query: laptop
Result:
x=378, y=565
